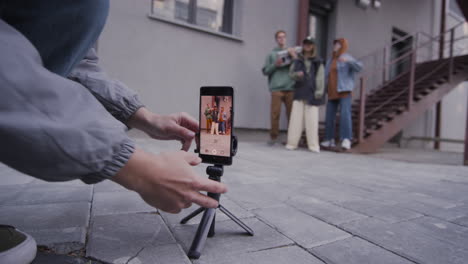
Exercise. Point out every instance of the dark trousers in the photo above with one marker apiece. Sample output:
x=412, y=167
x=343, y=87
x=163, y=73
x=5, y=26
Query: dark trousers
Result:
x=61, y=30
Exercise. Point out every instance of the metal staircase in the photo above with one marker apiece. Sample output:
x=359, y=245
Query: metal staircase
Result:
x=385, y=105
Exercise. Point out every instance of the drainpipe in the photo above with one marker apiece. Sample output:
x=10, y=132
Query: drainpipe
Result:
x=438, y=117
x=302, y=21
x=466, y=138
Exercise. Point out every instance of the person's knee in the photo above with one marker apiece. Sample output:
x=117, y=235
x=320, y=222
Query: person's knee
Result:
x=93, y=13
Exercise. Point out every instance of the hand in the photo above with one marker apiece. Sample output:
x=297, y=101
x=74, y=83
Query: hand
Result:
x=342, y=60
x=167, y=181
x=292, y=52
x=278, y=62
x=300, y=74
x=180, y=126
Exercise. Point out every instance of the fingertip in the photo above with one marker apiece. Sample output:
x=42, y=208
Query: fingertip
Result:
x=190, y=134
x=213, y=203
x=224, y=188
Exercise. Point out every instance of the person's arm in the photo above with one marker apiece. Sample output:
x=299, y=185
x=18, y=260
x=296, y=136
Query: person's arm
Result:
x=124, y=105
x=268, y=67
x=320, y=82
x=54, y=129
x=167, y=181
x=50, y=127
x=296, y=76
x=115, y=96
x=354, y=64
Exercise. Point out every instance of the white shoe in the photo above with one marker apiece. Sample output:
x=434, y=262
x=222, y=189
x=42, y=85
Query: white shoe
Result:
x=346, y=144
x=314, y=150
x=328, y=143
x=289, y=147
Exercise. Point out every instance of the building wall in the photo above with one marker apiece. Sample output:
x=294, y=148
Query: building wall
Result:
x=167, y=64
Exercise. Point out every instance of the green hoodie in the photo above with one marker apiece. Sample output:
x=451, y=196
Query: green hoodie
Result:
x=278, y=77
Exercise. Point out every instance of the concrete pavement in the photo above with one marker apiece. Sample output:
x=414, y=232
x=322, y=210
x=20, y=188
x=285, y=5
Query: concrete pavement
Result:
x=304, y=208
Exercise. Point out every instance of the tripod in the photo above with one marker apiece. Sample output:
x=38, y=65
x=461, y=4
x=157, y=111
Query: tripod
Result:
x=206, y=228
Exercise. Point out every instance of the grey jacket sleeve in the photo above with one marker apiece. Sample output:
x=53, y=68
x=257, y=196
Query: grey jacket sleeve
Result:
x=117, y=98
x=320, y=82
x=51, y=127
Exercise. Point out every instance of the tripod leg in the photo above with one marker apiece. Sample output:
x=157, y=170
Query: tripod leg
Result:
x=202, y=233
x=192, y=215
x=237, y=220
x=212, y=228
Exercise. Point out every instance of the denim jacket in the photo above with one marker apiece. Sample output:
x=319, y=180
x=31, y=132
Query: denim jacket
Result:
x=346, y=72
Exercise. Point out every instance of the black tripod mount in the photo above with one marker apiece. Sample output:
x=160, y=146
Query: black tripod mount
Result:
x=206, y=228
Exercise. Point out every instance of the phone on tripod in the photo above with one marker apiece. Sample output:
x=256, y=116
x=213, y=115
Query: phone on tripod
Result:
x=216, y=119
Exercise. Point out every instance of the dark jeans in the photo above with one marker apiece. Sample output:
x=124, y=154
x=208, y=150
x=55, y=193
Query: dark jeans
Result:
x=222, y=126
x=61, y=30
x=346, y=125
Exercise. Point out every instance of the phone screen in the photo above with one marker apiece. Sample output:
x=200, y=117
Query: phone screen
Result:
x=215, y=125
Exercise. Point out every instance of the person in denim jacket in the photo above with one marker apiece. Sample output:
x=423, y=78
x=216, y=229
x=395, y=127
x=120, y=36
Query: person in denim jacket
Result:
x=340, y=76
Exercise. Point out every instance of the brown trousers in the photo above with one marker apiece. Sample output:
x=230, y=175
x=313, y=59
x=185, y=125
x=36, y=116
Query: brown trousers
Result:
x=277, y=98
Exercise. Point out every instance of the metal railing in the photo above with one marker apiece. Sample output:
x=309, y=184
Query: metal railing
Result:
x=443, y=48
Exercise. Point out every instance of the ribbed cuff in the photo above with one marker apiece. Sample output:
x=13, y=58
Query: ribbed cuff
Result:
x=119, y=160
x=132, y=105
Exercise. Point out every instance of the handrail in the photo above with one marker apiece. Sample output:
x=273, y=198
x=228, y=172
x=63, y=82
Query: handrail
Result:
x=387, y=46
x=384, y=66
x=403, y=90
x=379, y=50
x=412, y=54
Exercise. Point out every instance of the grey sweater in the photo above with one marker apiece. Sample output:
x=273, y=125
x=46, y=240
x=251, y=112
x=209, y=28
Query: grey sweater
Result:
x=58, y=129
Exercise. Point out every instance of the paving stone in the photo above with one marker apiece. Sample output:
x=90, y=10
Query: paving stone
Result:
x=282, y=255
x=231, y=240
x=437, y=229
x=331, y=194
x=10, y=192
x=162, y=254
x=106, y=203
x=388, y=213
x=452, y=213
x=47, y=258
x=253, y=196
x=73, y=183
x=108, y=186
x=11, y=176
x=418, y=247
x=303, y=229
x=118, y=238
x=461, y=221
x=61, y=241
x=327, y=212
x=44, y=194
x=356, y=251
x=46, y=216
x=173, y=220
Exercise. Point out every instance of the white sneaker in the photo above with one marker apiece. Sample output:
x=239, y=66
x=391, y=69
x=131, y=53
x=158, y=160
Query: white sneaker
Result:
x=346, y=144
x=289, y=147
x=328, y=143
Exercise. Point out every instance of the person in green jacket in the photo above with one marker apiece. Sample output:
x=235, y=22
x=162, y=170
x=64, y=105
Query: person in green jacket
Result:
x=208, y=117
x=280, y=84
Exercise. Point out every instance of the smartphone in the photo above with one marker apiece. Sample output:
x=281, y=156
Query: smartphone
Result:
x=216, y=124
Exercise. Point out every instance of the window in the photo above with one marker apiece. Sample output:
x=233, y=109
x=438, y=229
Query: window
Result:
x=214, y=15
